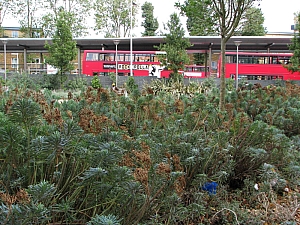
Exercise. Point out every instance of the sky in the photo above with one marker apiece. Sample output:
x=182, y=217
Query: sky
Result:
x=279, y=14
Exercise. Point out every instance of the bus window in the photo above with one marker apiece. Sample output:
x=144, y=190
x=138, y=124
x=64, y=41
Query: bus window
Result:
x=244, y=59
x=230, y=59
x=153, y=58
x=188, y=69
x=198, y=69
x=284, y=60
x=139, y=57
x=92, y=56
x=275, y=60
x=143, y=57
x=263, y=60
x=109, y=57
x=255, y=60
x=279, y=60
x=127, y=57
x=147, y=58
x=102, y=57
x=121, y=57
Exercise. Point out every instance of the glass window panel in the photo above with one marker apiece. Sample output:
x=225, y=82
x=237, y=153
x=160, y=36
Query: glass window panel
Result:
x=121, y=57
x=139, y=57
x=127, y=57
x=109, y=57
x=15, y=34
x=230, y=59
x=14, y=62
x=147, y=58
x=92, y=56
x=101, y=57
x=153, y=58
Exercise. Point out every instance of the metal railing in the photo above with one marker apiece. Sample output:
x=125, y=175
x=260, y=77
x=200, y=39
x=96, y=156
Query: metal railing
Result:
x=32, y=68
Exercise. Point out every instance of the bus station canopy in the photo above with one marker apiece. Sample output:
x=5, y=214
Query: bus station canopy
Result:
x=199, y=43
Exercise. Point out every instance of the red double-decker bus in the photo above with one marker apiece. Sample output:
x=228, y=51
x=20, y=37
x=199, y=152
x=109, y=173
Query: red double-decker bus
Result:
x=196, y=71
x=103, y=62
x=190, y=71
x=258, y=66
x=144, y=63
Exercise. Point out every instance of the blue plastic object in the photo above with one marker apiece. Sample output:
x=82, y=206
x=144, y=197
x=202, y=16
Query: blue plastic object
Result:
x=210, y=187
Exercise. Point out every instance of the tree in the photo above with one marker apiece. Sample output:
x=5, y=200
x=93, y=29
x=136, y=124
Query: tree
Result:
x=28, y=15
x=37, y=17
x=200, y=22
x=150, y=23
x=80, y=10
x=63, y=48
x=294, y=65
x=175, y=47
x=227, y=14
x=112, y=17
x=252, y=24
x=6, y=8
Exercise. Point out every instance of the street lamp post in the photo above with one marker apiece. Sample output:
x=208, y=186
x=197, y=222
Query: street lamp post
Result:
x=116, y=42
x=237, y=43
x=131, y=4
x=4, y=41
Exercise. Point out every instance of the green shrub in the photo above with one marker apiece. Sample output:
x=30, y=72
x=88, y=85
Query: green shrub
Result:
x=96, y=82
x=104, y=220
x=131, y=85
x=100, y=158
x=78, y=83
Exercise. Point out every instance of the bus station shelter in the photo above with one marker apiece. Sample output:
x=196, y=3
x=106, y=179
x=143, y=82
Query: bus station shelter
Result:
x=200, y=44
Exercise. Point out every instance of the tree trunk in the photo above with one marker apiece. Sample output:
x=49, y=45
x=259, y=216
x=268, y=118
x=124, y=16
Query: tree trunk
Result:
x=222, y=85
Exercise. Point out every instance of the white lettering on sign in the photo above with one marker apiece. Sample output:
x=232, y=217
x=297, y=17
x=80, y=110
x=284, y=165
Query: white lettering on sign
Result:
x=109, y=66
x=135, y=67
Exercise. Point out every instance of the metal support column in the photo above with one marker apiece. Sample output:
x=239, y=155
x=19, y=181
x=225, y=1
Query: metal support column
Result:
x=25, y=60
x=210, y=58
x=79, y=60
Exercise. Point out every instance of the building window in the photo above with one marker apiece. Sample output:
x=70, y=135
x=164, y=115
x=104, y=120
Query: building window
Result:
x=14, y=63
x=15, y=34
x=36, y=34
x=36, y=60
x=214, y=65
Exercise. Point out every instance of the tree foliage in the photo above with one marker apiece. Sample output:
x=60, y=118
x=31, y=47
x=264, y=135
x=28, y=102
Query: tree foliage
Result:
x=80, y=10
x=223, y=17
x=63, y=48
x=295, y=47
x=6, y=9
x=113, y=17
x=28, y=14
x=37, y=17
x=252, y=23
x=201, y=19
x=150, y=23
x=175, y=47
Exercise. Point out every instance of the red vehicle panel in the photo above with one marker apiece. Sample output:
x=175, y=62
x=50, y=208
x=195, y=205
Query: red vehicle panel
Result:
x=258, y=66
